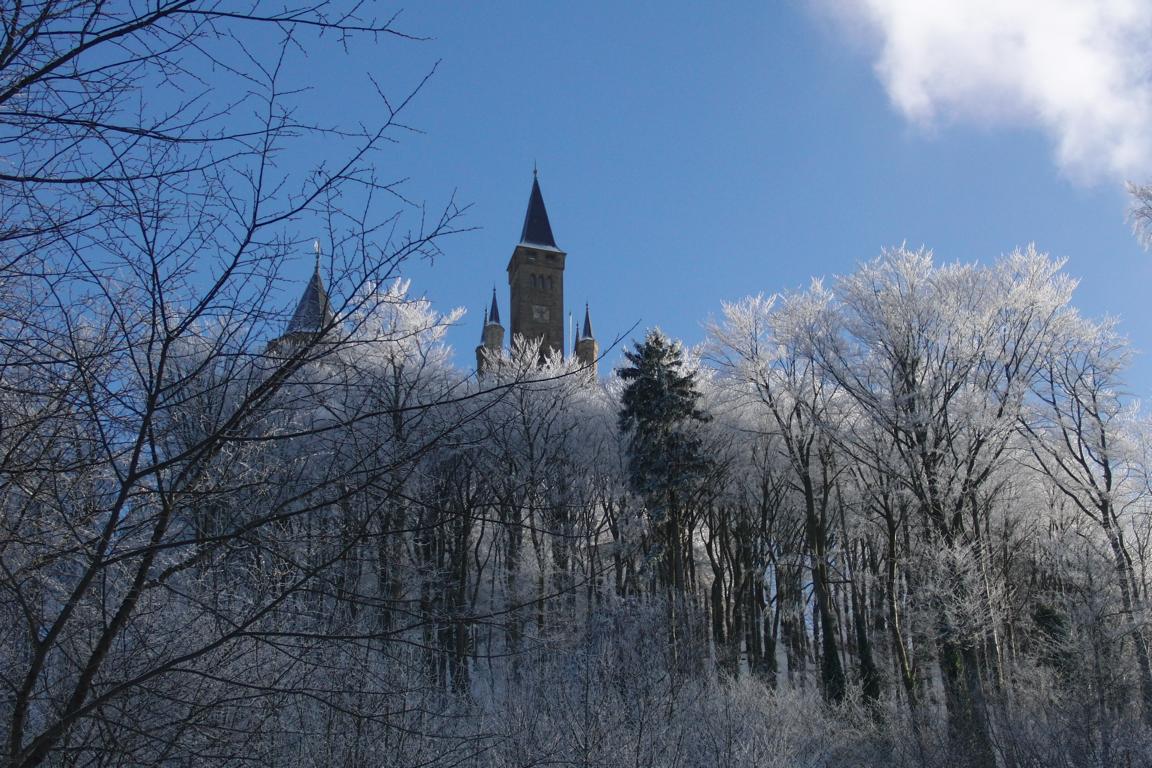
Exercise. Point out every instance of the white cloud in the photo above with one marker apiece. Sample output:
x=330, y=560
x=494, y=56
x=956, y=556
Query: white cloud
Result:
x=1079, y=69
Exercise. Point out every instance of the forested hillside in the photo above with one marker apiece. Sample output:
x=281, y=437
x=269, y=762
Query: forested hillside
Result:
x=903, y=518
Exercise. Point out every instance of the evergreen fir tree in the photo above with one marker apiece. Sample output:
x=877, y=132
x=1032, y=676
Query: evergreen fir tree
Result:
x=665, y=455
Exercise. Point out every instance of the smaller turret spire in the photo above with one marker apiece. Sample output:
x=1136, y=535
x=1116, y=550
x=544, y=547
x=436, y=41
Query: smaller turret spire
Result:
x=491, y=337
x=586, y=333
x=314, y=311
x=587, y=350
x=493, y=315
x=313, y=316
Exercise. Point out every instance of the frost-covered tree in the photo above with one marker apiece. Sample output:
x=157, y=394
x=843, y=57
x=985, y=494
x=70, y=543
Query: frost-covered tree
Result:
x=175, y=537
x=1079, y=435
x=940, y=359
x=769, y=367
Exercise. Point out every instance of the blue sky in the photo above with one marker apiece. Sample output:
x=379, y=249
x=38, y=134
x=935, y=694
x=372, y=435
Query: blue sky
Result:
x=691, y=154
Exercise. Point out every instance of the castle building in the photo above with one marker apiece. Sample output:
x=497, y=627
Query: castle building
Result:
x=536, y=294
x=536, y=300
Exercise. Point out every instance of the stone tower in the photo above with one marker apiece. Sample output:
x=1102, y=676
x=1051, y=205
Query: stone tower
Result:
x=491, y=338
x=586, y=349
x=536, y=279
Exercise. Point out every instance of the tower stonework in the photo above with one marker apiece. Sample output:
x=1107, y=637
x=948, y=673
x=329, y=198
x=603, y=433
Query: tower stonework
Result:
x=536, y=280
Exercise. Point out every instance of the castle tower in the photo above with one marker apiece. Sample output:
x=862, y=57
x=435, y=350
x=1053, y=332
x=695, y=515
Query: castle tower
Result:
x=536, y=279
x=586, y=349
x=491, y=338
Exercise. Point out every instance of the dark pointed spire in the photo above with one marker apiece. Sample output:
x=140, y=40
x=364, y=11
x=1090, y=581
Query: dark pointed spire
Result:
x=537, y=230
x=494, y=313
x=314, y=312
x=587, y=332
x=482, y=327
